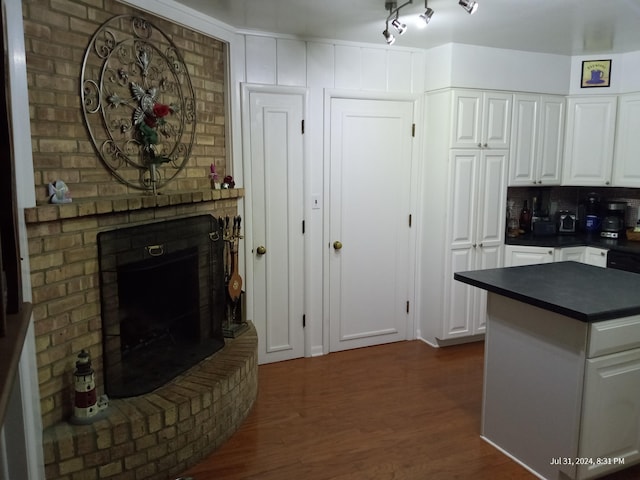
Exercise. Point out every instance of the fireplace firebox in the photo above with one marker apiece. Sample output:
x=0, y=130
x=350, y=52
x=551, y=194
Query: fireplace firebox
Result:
x=163, y=301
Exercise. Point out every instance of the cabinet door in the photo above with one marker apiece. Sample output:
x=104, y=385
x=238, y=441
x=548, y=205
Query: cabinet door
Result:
x=550, y=140
x=626, y=167
x=492, y=198
x=459, y=306
x=610, y=413
x=486, y=257
x=596, y=256
x=524, y=133
x=573, y=254
x=496, y=120
x=589, y=141
x=467, y=118
x=516, y=255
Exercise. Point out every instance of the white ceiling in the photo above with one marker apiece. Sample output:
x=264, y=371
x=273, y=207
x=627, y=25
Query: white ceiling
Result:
x=565, y=27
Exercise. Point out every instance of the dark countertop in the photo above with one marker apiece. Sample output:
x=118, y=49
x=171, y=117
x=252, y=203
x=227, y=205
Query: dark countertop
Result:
x=577, y=240
x=584, y=292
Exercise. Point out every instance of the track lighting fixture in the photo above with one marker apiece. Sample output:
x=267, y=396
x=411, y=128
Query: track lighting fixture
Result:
x=398, y=25
x=469, y=5
x=388, y=36
x=424, y=18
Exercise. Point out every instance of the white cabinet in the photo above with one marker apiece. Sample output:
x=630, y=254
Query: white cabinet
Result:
x=537, y=139
x=596, y=256
x=610, y=415
x=570, y=254
x=518, y=255
x=463, y=215
x=589, y=141
x=626, y=167
x=477, y=197
x=481, y=119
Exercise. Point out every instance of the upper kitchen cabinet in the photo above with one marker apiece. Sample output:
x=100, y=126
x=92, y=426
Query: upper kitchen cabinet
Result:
x=537, y=135
x=588, y=154
x=626, y=167
x=481, y=119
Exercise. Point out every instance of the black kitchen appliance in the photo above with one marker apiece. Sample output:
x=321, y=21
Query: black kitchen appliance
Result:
x=612, y=224
x=566, y=222
x=589, y=214
x=627, y=261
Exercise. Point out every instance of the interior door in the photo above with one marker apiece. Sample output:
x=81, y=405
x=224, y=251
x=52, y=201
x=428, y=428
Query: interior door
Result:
x=276, y=153
x=369, y=196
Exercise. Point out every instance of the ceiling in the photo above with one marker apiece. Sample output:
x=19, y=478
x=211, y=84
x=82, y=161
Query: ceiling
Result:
x=565, y=27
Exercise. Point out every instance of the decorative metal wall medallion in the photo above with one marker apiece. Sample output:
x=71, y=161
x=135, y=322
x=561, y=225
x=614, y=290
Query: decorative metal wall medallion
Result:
x=138, y=102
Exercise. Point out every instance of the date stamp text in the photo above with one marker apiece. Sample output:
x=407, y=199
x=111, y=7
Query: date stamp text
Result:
x=587, y=461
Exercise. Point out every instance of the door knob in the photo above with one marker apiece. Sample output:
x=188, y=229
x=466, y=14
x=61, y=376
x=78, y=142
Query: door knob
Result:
x=261, y=250
x=337, y=245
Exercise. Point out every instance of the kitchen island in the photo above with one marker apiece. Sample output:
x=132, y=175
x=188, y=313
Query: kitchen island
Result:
x=562, y=367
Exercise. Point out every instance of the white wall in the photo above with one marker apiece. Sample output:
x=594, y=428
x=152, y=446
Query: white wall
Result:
x=498, y=69
x=322, y=67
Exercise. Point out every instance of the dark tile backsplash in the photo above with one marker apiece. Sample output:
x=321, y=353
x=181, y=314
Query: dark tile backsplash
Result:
x=568, y=198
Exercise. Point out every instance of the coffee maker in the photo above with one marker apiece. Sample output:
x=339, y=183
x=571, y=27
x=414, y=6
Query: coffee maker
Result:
x=612, y=225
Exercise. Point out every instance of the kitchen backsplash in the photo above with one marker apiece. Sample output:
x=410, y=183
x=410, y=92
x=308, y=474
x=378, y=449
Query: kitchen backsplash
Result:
x=569, y=198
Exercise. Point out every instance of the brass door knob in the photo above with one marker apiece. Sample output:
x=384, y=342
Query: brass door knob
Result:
x=337, y=245
x=261, y=250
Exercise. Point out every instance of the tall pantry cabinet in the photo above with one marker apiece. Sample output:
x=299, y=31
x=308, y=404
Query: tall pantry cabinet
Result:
x=467, y=136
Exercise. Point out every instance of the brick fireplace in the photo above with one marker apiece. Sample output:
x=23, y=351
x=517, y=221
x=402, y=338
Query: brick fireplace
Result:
x=161, y=432
x=154, y=435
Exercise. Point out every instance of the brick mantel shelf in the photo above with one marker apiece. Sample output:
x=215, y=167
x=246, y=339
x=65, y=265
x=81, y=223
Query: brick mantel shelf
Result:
x=96, y=206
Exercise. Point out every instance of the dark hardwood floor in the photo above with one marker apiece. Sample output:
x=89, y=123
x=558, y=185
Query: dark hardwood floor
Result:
x=398, y=411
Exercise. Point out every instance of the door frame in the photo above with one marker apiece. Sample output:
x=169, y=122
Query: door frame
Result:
x=246, y=266
x=416, y=172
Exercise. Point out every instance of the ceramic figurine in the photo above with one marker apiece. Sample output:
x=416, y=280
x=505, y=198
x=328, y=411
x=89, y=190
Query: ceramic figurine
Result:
x=59, y=192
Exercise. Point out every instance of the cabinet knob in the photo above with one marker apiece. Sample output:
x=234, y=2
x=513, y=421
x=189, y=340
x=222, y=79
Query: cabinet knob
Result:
x=550, y=252
x=261, y=250
x=479, y=145
x=602, y=254
x=475, y=245
x=485, y=145
x=337, y=245
x=607, y=182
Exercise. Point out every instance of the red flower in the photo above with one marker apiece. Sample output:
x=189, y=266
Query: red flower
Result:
x=160, y=110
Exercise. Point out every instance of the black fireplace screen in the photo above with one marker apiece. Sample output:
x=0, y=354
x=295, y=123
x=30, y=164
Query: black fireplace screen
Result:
x=162, y=299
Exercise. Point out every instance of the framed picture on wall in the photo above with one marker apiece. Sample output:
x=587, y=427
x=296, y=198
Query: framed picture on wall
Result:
x=596, y=73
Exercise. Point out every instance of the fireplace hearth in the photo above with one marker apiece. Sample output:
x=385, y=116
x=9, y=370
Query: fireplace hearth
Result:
x=163, y=301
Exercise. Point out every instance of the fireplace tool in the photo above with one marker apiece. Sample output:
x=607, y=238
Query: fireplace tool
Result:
x=234, y=324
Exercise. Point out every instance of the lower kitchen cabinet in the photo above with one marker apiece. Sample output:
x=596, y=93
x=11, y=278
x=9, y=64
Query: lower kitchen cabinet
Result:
x=570, y=254
x=595, y=256
x=610, y=436
x=518, y=255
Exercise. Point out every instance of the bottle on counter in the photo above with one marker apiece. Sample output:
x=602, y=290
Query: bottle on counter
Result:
x=525, y=218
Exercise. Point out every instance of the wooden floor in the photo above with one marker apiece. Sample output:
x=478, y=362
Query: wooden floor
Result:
x=397, y=411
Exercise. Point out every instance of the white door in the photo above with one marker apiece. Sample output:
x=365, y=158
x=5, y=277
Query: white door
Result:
x=276, y=156
x=370, y=179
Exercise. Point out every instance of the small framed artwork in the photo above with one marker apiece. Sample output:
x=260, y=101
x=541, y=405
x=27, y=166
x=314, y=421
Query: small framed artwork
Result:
x=596, y=73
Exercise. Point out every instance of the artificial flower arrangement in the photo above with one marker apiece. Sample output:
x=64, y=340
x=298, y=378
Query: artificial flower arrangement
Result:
x=149, y=119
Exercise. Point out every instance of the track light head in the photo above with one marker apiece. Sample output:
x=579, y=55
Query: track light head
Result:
x=399, y=26
x=469, y=5
x=426, y=16
x=388, y=36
